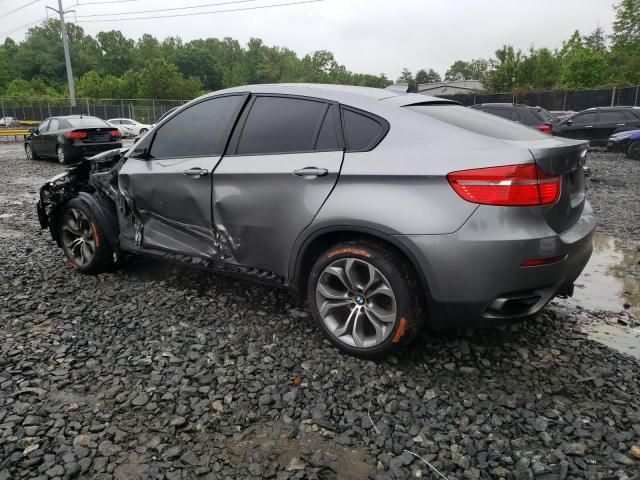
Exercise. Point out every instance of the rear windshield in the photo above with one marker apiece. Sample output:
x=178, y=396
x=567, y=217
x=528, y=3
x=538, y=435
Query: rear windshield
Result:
x=479, y=122
x=544, y=115
x=87, y=122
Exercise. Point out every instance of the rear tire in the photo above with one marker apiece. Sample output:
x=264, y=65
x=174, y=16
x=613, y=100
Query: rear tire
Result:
x=633, y=150
x=366, y=299
x=82, y=239
x=62, y=158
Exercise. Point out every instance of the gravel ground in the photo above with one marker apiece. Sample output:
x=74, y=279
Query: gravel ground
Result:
x=162, y=372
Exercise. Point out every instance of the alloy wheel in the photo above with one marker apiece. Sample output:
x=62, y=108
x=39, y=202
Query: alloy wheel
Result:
x=77, y=237
x=60, y=152
x=356, y=303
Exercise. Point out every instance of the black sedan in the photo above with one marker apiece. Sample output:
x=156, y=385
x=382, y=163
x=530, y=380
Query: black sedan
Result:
x=71, y=138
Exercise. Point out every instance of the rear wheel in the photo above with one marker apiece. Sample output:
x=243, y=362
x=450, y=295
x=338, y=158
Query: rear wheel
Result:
x=82, y=239
x=633, y=150
x=62, y=159
x=365, y=298
x=31, y=155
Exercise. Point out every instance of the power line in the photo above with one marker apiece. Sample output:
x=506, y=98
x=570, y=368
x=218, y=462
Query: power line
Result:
x=100, y=3
x=164, y=9
x=201, y=13
x=20, y=8
x=26, y=25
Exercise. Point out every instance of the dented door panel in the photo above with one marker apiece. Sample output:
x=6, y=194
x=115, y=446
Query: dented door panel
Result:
x=172, y=205
x=261, y=206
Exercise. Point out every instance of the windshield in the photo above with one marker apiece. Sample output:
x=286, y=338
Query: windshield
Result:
x=87, y=122
x=480, y=122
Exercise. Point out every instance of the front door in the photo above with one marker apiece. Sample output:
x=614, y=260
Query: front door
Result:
x=283, y=161
x=580, y=126
x=37, y=139
x=169, y=189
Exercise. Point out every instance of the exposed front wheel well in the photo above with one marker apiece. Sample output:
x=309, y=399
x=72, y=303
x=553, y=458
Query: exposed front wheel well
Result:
x=311, y=250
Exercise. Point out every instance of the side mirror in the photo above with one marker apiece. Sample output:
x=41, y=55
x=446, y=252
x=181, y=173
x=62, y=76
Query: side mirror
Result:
x=569, y=122
x=33, y=130
x=141, y=153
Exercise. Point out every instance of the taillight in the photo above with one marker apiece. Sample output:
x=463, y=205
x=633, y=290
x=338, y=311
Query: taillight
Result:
x=76, y=135
x=538, y=262
x=115, y=133
x=508, y=185
x=544, y=128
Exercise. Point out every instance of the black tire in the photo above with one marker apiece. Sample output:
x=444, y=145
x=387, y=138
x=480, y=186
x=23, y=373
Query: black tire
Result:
x=633, y=150
x=400, y=277
x=29, y=152
x=143, y=131
x=90, y=228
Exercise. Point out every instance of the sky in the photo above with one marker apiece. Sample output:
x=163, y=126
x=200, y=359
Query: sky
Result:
x=367, y=36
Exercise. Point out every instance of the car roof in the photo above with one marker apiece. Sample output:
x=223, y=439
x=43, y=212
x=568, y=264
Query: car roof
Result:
x=338, y=93
x=503, y=105
x=77, y=116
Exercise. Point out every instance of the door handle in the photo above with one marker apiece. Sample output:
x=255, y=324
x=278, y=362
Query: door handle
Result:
x=621, y=124
x=311, y=172
x=588, y=126
x=196, y=172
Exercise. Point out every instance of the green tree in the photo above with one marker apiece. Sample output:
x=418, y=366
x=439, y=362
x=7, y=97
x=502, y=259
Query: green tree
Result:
x=89, y=85
x=161, y=79
x=427, y=76
x=540, y=69
x=475, y=69
x=625, y=51
x=505, y=69
x=117, y=52
x=582, y=67
x=407, y=77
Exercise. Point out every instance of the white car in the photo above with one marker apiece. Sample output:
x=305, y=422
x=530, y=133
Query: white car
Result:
x=136, y=128
x=125, y=131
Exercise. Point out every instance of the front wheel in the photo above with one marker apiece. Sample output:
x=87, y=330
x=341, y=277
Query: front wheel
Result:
x=143, y=131
x=365, y=298
x=633, y=150
x=83, y=240
x=28, y=150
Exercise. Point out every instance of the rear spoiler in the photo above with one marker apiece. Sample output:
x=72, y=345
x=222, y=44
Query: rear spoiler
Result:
x=398, y=87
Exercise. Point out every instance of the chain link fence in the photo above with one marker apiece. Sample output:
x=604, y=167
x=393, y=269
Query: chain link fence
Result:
x=33, y=109
x=558, y=100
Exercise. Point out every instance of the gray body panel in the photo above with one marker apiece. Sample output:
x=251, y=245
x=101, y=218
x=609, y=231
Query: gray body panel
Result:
x=263, y=206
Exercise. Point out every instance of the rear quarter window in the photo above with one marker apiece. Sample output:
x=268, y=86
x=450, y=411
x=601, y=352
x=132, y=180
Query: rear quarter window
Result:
x=479, y=122
x=362, y=131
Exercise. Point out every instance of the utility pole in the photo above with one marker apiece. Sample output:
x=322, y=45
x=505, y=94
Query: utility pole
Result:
x=67, y=58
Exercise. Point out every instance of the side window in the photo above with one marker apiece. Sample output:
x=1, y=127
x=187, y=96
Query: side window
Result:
x=503, y=112
x=629, y=116
x=362, y=132
x=126, y=122
x=612, y=117
x=198, y=131
x=54, y=124
x=585, y=119
x=280, y=125
x=44, y=126
x=328, y=135
x=115, y=122
x=515, y=116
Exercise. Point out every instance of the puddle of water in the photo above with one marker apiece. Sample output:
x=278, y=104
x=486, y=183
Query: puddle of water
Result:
x=622, y=339
x=603, y=285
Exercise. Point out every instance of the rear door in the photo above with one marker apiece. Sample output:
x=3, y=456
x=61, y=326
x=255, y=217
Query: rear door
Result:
x=283, y=161
x=169, y=188
x=609, y=122
x=50, y=139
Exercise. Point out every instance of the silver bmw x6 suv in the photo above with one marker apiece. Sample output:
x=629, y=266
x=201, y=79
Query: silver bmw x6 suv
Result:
x=386, y=210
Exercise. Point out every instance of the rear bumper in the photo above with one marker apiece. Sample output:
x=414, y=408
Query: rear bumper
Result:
x=77, y=152
x=475, y=277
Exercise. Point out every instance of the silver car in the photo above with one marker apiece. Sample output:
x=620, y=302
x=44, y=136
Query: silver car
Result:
x=385, y=210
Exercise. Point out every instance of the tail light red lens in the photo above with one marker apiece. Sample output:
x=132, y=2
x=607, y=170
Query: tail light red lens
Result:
x=538, y=262
x=115, y=133
x=508, y=185
x=544, y=128
x=76, y=135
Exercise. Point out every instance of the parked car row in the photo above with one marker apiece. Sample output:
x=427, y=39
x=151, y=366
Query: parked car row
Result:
x=614, y=127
